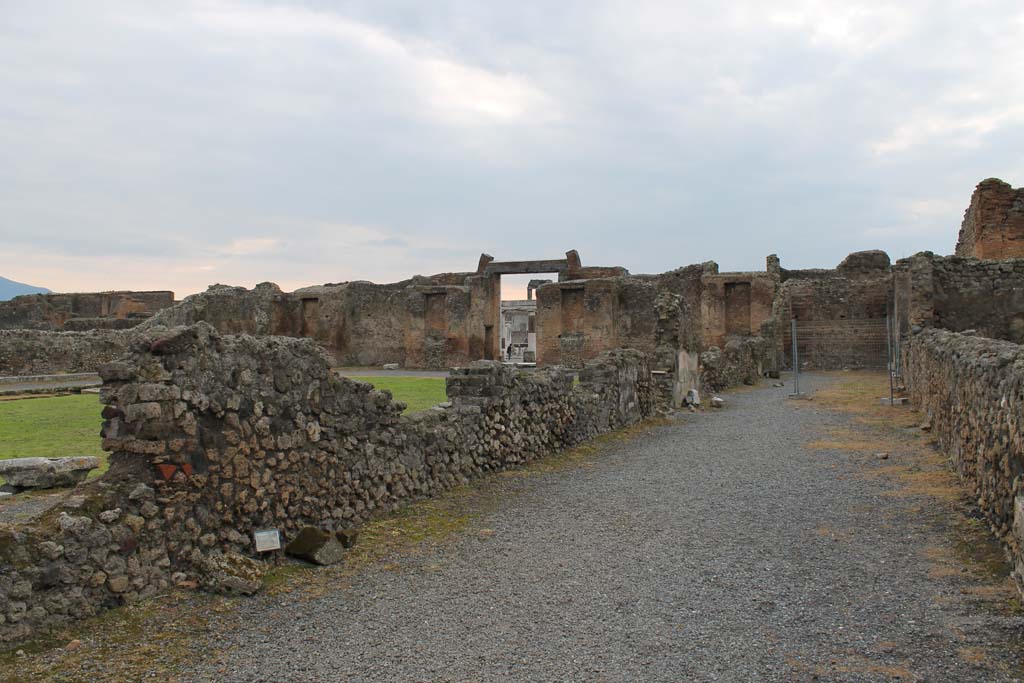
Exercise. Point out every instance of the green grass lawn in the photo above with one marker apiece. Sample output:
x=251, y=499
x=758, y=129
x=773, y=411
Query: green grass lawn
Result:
x=52, y=428
x=418, y=393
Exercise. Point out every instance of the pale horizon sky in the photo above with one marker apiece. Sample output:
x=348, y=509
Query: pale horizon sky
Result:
x=172, y=146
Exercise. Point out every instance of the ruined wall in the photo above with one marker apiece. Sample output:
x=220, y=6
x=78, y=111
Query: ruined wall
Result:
x=84, y=311
x=735, y=304
x=993, y=226
x=212, y=437
x=36, y=352
x=433, y=322
x=579, y=319
x=741, y=361
x=972, y=389
x=231, y=310
x=840, y=313
x=958, y=294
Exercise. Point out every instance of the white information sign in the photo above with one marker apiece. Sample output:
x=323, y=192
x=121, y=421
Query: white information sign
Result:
x=267, y=540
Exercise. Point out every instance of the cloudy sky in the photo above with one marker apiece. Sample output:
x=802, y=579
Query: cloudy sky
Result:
x=172, y=145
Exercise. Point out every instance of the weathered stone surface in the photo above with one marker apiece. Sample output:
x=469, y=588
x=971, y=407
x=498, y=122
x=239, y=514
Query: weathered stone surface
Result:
x=740, y=362
x=214, y=437
x=967, y=295
x=47, y=473
x=972, y=390
x=316, y=546
x=39, y=352
x=347, y=537
x=229, y=573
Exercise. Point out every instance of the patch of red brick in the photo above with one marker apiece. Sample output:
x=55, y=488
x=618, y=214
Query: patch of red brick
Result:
x=167, y=471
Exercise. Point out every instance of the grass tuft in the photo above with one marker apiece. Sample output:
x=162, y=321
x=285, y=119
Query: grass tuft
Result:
x=418, y=393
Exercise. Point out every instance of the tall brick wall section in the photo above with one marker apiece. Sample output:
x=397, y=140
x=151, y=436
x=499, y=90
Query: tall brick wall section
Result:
x=212, y=437
x=972, y=389
x=993, y=226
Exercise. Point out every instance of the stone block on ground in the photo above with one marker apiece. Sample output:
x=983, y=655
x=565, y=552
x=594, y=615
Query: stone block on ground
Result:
x=229, y=573
x=347, y=537
x=717, y=402
x=391, y=366
x=47, y=473
x=316, y=546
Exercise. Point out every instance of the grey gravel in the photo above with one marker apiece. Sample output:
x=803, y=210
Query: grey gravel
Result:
x=714, y=548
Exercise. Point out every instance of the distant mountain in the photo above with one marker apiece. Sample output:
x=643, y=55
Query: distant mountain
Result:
x=10, y=289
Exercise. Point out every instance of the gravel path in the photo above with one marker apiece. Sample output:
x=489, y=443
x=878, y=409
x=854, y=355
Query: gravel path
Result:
x=714, y=548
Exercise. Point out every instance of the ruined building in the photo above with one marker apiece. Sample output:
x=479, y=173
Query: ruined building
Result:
x=696, y=324
x=223, y=416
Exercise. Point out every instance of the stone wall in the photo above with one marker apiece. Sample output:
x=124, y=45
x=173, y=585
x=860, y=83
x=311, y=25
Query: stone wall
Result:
x=212, y=437
x=993, y=226
x=741, y=361
x=972, y=389
x=86, y=311
x=957, y=294
x=36, y=352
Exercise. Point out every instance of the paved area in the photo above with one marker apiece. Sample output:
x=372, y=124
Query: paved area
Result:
x=47, y=384
x=717, y=547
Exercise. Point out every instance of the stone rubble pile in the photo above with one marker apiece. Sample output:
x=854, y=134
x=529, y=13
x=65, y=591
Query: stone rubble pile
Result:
x=742, y=361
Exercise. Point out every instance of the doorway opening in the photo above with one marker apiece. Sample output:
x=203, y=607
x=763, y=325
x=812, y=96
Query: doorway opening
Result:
x=518, y=316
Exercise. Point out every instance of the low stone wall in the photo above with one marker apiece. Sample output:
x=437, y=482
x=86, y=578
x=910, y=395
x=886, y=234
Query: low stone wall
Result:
x=213, y=437
x=972, y=389
x=37, y=352
x=741, y=362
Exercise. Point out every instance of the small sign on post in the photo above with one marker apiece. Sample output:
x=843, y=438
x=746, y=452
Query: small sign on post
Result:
x=267, y=540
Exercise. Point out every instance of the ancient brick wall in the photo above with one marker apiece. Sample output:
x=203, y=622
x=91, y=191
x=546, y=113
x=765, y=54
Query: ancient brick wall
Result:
x=993, y=226
x=735, y=304
x=212, y=437
x=840, y=313
x=83, y=311
x=958, y=294
x=36, y=352
x=972, y=389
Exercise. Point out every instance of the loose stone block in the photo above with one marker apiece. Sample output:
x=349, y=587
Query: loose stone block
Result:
x=316, y=546
x=47, y=473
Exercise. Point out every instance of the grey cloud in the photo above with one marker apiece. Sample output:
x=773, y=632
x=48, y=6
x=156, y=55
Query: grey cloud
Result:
x=646, y=134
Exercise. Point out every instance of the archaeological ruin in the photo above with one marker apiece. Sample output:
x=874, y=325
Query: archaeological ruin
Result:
x=223, y=414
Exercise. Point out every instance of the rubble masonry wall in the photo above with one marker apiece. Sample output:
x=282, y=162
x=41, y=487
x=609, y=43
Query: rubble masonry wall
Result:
x=972, y=389
x=212, y=437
